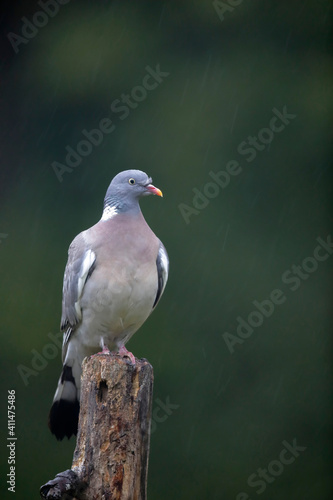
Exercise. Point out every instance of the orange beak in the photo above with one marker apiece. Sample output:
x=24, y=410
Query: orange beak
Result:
x=154, y=190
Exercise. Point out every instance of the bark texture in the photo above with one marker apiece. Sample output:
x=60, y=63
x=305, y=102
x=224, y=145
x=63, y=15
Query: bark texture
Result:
x=111, y=455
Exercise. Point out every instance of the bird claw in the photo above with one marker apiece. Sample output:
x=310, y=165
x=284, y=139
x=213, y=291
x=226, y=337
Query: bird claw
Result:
x=124, y=352
x=105, y=350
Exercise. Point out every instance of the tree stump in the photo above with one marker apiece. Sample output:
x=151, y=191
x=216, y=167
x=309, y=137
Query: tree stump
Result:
x=111, y=456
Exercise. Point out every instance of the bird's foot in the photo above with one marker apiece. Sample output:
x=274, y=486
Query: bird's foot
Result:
x=105, y=350
x=124, y=352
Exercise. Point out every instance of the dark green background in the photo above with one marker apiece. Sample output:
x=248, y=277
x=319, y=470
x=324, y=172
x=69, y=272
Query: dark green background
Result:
x=226, y=76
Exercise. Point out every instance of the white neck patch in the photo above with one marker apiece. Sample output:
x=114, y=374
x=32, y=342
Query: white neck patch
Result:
x=109, y=212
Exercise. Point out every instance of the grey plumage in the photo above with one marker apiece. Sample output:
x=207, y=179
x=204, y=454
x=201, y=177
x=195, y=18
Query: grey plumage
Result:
x=115, y=275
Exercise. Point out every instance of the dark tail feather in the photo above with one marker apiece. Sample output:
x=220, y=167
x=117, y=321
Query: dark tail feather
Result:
x=64, y=413
x=63, y=418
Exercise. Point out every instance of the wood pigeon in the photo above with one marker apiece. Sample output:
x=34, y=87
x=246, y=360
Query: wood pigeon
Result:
x=115, y=275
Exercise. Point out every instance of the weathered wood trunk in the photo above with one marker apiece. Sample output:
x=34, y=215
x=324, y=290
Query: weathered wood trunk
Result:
x=111, y=455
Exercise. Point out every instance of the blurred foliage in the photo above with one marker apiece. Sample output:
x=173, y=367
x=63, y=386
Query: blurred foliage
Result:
x=225, y=79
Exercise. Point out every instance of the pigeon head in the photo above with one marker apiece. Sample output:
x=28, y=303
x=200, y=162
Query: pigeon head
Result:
x=125, y=190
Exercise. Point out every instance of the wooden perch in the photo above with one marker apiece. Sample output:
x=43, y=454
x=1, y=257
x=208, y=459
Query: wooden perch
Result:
x=111, y=456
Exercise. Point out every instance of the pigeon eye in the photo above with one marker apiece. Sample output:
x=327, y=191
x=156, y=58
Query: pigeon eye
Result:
x=131, y=181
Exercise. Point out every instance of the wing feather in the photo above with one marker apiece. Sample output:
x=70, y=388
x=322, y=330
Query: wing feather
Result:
x=162, y=264
x=80, y=265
